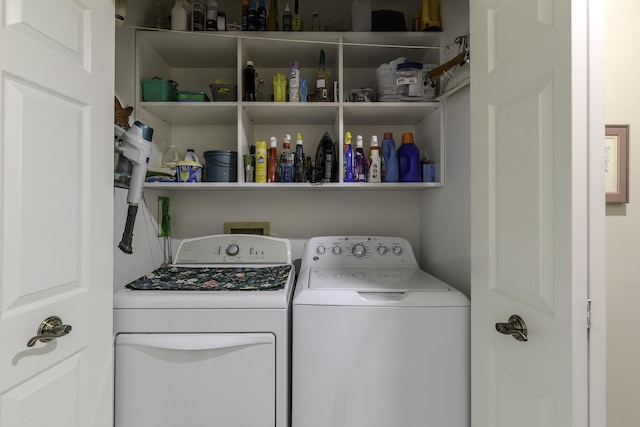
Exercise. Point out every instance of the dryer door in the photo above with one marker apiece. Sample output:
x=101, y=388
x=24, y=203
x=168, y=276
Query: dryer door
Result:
x=168, y=380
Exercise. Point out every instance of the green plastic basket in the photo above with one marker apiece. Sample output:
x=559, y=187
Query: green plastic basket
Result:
x=157, y=90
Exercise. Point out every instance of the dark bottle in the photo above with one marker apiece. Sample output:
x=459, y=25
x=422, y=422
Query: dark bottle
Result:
x=245, y=13
x=286, y=18
x=262, y=16
x=300, y=174
x=249, y=82
x=252, y=17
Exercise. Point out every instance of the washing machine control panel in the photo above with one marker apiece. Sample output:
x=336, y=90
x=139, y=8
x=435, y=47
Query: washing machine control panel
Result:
x=358, y=250
x=234, y=249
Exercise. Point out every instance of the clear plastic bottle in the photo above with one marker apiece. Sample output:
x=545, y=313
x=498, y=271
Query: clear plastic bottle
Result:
x=300, y=173
x=171, y=156
x=374, y=161
x=360, y=162
x=261, y=92
x=315, y=22
x=286, y=160
x=197, y=15
x=212, y=15
x=322, y=81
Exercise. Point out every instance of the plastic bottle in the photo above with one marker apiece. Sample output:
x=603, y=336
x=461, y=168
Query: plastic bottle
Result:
x=322, y=81
x=261, y=161
x=245, y=14
x=286, y=160
x=249, y=82
x=409, y=159
x=252, y=16
x=390, y=158
x=272, y=160
x=262, y=16
x=191, y=156
x=374, y=161
x=197, y=15
x=286, y=18
x=300, y=173
x=179, y=17
x=261, y=94
x=360, y=162
x=212, y=15
x=348, y=158
x=294, y=82
x=171, y=156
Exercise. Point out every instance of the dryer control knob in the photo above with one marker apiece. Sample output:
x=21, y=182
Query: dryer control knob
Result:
x=232, y=250
x=320, y=250
x=359, y=250
x=382, y=250
x=337, y=250
x=397, y=250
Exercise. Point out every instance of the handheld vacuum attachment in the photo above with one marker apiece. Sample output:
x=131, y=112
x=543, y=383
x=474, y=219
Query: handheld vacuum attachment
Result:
x=135, y=146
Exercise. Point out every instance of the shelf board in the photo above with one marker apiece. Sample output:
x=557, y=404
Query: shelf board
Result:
x=300, y=113
x=387, y=113
x=275, y=186
x=194, y=113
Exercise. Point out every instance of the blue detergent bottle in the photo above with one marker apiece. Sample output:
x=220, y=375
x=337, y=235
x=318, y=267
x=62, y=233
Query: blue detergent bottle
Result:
x=390, y=157
x=348, y=158
x=409, y=160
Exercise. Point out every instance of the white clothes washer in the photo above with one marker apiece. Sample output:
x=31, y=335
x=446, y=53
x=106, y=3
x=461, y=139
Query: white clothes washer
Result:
x=377, y=342
x=206, y=341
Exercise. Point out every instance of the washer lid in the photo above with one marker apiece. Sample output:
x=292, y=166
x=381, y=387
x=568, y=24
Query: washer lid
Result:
x=374, y=279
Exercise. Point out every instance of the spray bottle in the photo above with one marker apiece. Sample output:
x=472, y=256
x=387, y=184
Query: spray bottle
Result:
x=374, y=161
x=261, y=161
x=348, y=158
x=360, y=162
x=286, y=160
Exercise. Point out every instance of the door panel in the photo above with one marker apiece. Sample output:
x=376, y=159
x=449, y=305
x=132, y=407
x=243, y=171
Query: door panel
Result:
x=56, y=195
x=529, y=216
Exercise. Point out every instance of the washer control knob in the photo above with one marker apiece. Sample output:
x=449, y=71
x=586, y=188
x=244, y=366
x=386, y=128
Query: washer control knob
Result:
x=337, y=250
x=382, y=250
x=359, y=250
x=397, y=250
x=232, y=250
x=320, y=250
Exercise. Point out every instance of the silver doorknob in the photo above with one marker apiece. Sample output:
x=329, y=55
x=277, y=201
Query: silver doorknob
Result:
x=516, y=328
x=50, y=329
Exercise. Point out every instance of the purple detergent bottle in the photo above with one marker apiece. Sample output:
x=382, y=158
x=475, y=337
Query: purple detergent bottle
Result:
x=390, y=159
x=409, y=159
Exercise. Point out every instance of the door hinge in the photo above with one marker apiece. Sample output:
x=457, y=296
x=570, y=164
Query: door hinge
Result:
x=588, y=313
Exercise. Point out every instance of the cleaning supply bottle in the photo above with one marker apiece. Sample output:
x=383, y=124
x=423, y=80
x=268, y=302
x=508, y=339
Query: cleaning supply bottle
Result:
x=249, y=82
x=390, y=158
x=170, y=157
x=294, y=82
x=261, y=161
x=252, y=16
x=322, y=81
x=286, y=18
x=360, y=162
x=191, y=156
x=179, y=17
x=272, y=160
x=212, y=15
x=272, y=17
x=286, y=160
x=409, y=159
x=348, y=158
x=198, y=19
x=374, y=161
x=262, y=16
x=300, y=173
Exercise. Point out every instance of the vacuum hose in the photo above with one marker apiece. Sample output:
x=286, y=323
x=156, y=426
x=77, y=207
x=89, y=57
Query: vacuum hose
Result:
x=127, y=235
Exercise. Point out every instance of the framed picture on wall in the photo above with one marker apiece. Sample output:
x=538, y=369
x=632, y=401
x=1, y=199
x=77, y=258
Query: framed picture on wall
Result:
x=616, y=163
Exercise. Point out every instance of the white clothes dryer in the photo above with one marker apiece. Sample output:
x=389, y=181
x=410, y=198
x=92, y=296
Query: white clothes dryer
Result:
x=377, y=342
x=206, y=341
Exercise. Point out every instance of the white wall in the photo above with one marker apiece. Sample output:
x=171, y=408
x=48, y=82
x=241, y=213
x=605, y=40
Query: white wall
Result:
x=622, y=93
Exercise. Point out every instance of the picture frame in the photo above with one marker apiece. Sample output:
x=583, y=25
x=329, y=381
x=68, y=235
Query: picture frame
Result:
x=616, y=163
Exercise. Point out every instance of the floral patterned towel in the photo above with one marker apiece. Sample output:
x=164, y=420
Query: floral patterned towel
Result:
x=214, y=279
